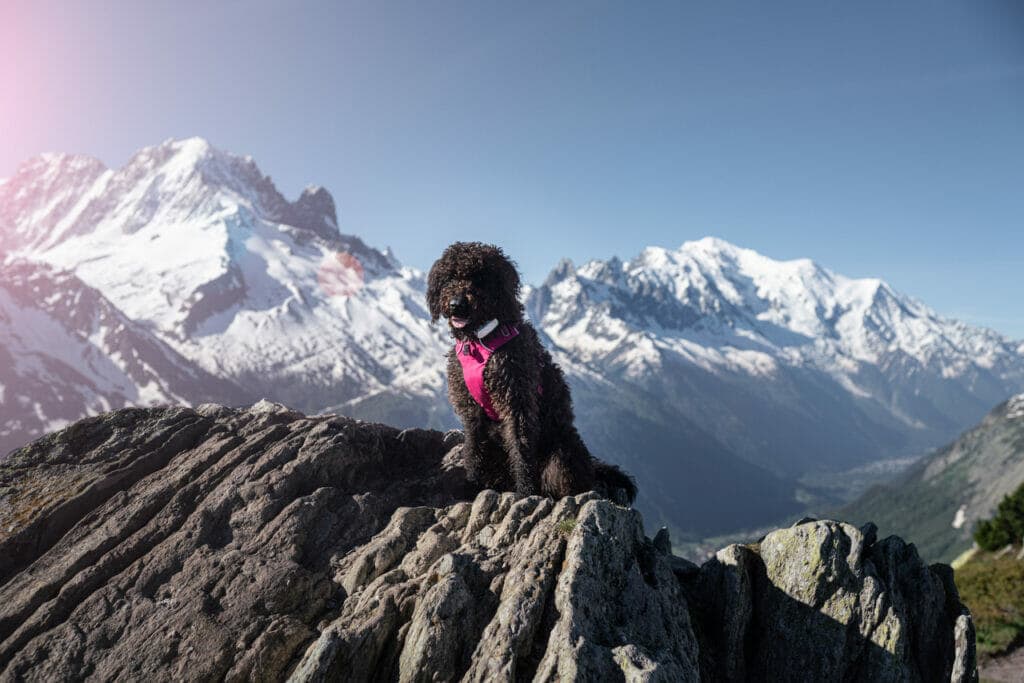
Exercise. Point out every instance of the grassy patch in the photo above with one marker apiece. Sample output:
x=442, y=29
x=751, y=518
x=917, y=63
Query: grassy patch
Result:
x=993, y=588
x=566, y=526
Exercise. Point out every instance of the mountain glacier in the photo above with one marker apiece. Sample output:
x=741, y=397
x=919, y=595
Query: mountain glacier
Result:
x=709, y=371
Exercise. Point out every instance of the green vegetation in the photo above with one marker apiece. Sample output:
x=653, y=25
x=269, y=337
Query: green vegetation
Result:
x=993, y=589
x=1006, y=527
x=566, y=526
x=992, y=584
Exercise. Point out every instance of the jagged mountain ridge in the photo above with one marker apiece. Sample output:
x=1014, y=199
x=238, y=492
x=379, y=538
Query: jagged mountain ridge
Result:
x=736, y=373
x=938, y=502
x=198, y=245
x=726, y=324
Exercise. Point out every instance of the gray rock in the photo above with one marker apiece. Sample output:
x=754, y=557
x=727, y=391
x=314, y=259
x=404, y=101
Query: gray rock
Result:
x=818, y=601
x=260, y=544
x=195, y=544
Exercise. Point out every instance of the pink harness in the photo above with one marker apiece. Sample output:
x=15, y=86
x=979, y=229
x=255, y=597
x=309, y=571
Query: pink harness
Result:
x=473, y=357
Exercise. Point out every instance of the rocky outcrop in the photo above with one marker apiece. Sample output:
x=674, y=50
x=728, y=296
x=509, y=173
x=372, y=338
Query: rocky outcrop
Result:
x=261, y=544
x=826, y=601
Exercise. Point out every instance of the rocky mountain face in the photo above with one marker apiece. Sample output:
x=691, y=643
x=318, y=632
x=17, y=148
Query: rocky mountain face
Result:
x=261, y=544
x=937, y=502
x=708, y=372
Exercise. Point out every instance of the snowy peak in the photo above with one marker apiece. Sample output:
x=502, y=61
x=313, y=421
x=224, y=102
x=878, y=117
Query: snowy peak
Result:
x=182, y=232
x=710, y=311
x=791, y=366
x=737, y=288
x=199, y=248
x=56, y=197
x=715, y=293
x=703, y=285
x=194, y=176
x=180, y=163
x=205, y=180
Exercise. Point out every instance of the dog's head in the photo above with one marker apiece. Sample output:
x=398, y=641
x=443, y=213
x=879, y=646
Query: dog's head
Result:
x=471, y=284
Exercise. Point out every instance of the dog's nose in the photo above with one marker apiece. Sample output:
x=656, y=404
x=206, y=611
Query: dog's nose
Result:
x=457, y=304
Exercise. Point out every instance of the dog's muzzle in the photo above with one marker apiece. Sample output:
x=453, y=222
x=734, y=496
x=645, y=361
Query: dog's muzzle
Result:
x=458, y=311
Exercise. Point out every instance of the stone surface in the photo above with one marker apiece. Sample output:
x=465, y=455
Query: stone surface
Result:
x=261, y=544
x=823, y=600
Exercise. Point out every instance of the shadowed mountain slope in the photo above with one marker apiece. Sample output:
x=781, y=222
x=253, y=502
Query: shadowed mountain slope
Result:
x=938, y=502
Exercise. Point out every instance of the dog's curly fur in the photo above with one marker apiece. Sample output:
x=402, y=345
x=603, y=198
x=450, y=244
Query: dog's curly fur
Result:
x=534, y=447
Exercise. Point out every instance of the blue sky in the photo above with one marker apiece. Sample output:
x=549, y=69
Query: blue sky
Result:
x=879, y=138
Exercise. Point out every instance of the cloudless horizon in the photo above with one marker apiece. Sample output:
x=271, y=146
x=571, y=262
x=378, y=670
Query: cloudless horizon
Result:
x=879, y=139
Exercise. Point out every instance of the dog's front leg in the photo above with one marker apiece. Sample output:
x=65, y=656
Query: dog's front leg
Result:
x=520, y=417
x=512, y=379
x=516, y=433
x=475, y=432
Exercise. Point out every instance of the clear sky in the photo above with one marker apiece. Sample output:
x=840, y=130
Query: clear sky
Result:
x=879, y=138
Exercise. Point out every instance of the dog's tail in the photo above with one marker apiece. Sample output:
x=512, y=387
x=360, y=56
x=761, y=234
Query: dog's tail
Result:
x=613, y=483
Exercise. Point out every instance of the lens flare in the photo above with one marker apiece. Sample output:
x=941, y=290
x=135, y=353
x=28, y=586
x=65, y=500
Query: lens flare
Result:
x=340, y=275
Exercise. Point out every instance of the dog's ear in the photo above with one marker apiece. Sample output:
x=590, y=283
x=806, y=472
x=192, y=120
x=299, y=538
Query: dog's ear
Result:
x=435, y=282
x=510, y=276
x=510, y=284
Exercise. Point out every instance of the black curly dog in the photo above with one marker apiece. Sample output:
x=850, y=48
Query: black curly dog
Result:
x=519, y=431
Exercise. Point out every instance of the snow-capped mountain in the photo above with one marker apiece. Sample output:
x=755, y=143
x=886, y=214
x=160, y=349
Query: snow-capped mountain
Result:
x=198, y=246
x=65, y=351
x=708, y=371
x=784, y=365
x=721, y=310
